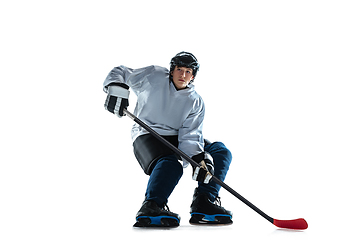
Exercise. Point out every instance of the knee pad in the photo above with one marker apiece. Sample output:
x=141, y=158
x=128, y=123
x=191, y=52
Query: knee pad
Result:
x=220, y=148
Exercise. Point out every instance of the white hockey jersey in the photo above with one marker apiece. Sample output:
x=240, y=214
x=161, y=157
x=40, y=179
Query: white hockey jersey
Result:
x=161, y=106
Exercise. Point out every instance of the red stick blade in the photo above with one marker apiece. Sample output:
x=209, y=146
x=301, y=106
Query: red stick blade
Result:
x=298, y=224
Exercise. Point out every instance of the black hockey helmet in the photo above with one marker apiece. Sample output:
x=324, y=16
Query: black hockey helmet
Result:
x=185, y=59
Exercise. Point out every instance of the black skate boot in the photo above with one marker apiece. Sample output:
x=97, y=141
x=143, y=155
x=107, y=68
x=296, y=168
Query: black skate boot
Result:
x=151, y=215
x=203, y=211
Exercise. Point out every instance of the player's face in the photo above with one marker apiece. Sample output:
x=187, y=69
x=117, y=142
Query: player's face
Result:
x=182, y=77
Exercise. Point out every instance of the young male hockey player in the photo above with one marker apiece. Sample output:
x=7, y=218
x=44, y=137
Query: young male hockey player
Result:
x=168, y=103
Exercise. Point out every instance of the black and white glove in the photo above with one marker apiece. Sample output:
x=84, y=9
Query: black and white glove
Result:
x=117, y=99
x=205, y=172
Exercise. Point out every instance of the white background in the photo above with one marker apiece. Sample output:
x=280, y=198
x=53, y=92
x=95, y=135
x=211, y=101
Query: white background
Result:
x=280, y=80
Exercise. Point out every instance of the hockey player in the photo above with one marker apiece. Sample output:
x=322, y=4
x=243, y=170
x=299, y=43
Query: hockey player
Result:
x=168, y=103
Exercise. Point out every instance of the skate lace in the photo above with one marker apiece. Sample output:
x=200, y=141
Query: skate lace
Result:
x=217, y=201
x=166, y=207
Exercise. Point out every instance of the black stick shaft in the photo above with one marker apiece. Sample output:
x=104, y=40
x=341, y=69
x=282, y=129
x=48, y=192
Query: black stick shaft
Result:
x=193, y=163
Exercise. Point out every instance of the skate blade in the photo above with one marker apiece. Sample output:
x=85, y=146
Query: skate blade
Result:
x=211, y=220
x=157, y=222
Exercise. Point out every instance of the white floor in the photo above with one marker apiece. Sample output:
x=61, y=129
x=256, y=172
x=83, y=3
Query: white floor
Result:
x=99, y=201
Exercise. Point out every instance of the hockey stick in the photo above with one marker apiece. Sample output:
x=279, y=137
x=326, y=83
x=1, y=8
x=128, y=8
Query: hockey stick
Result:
x=298, y=224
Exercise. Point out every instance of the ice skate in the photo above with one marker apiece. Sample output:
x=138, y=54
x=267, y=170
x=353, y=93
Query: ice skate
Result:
x=151, y=215
x=203, y=211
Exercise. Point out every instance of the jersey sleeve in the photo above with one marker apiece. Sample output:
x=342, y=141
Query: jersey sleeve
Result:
x=134, y=78
x=191, y=140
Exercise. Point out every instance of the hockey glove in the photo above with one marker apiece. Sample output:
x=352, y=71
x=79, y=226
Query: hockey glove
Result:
x=206, y=170
x=117, y=98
